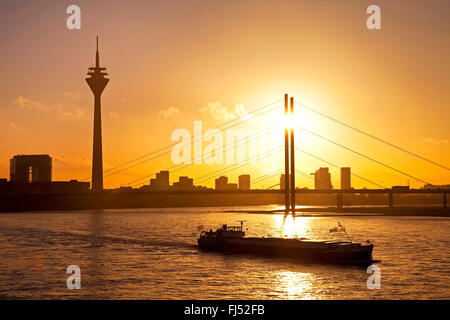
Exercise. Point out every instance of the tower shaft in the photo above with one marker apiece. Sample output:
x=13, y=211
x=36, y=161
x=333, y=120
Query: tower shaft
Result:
x=97, y=82
x=97, y=150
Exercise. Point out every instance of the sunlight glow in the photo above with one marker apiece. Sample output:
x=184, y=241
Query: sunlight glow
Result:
x=289, y=121
x=297, y=285
x=292, y=228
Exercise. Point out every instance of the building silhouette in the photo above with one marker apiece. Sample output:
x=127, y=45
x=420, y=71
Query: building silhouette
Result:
x=184, y=183
x=322, y=179
x=232, y=186
x=97, y=82
x=221, y=183
x=346, y=178
x=33, y=174
x=161, y=182
x=400, y=188
x=244, y=182
x=30, y=168
x=435, y=186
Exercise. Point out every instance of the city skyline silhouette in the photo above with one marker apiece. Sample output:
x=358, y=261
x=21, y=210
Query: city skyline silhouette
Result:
x=224, y=151
x=174, y=102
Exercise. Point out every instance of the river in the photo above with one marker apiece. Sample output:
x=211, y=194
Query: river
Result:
x=152, y=254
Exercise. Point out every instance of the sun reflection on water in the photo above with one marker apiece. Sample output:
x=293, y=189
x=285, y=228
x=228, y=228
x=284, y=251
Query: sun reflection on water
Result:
x=290, y=227
x=296, y=285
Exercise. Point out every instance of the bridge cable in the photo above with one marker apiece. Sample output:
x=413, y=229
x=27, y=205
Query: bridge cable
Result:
x=363, y=155
x=373, y=137
x=192, y=137
x=169, y=151
x=257, y=135
x=336, y=166
x=213, y=174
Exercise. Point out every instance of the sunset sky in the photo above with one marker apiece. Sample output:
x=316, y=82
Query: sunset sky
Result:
x=174, y=62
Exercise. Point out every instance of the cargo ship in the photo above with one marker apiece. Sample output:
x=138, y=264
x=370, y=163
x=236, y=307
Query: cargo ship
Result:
x=232, y=239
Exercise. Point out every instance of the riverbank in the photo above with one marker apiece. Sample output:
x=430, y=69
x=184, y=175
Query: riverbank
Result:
x=362, y=211
x=317, y=204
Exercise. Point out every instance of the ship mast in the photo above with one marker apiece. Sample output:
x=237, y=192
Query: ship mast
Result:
x=242, y=223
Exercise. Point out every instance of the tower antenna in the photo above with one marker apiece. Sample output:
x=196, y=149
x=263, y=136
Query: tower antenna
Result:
x=97, y=57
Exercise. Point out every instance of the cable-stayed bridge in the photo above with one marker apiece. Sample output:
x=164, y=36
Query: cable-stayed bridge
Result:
x=290, y=152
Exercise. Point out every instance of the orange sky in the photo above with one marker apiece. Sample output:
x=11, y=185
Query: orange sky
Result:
x=169, y=60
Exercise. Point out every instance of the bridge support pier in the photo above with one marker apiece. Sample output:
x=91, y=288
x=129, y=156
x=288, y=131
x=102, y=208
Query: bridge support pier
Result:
x=444, y=200
x=286, y=158
x=292, y=162
x=339, y=200
x=391, y=199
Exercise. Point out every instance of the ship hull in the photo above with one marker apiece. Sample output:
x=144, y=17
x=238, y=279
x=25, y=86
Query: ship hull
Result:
x=319, y=252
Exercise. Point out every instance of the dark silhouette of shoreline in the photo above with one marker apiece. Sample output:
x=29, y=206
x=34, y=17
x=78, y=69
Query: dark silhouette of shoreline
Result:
x=427, y=205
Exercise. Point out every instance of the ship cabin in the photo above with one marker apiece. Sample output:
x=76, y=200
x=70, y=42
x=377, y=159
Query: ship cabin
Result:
x=221, y=233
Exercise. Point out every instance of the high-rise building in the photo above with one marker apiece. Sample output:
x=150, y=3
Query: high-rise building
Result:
x=31, y=168
x=33, y=173
x=161, y=182
x=97, y=82
x=346, y=178
x=322, y=179
x=244, y=182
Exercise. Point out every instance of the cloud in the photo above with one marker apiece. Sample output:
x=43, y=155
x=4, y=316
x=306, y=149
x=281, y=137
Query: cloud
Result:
x=223, y=113
x=65, y=160
x=69, y=112
x=67, y=108
x=72, y=95
x=170, y=112
x=30, y=104
x=434, y=141
x=15, y=126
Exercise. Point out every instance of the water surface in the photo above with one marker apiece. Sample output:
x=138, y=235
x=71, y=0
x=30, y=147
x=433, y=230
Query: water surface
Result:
x=151, y=254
